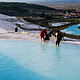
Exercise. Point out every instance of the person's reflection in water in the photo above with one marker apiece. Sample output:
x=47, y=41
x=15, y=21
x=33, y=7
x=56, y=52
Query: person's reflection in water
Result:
x=44, y=45
x=57, y=54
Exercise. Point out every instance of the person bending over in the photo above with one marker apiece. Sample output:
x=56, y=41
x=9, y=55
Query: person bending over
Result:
x=42, y=34
x=47, y=37
x=50, y=32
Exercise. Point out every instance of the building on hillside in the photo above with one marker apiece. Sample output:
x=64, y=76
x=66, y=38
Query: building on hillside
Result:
x=73, y=14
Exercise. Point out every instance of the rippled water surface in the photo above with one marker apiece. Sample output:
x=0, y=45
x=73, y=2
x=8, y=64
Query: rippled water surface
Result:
x=22, y=60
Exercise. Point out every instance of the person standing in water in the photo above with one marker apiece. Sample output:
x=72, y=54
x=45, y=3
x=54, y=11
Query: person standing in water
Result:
x=42, y=34
x=58, y=38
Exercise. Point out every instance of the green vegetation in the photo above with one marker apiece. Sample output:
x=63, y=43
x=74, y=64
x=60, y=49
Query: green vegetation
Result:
x=44, y=21
x=23, y=9
x=72, y=36
x=75, y=21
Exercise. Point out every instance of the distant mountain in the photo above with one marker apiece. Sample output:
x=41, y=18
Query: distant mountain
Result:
x=66, y=4
x=58, y=1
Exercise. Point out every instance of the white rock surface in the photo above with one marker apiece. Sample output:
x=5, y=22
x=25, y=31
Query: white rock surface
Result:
x=9, y=23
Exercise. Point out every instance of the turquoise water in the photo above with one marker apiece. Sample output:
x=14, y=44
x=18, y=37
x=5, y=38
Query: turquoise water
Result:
x=22, y=60
x=72, y=30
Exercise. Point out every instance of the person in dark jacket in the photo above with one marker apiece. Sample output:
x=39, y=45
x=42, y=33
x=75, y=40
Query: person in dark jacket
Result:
x=58, y=38
x=47, y=37
x=16, y=29
x=51, y=32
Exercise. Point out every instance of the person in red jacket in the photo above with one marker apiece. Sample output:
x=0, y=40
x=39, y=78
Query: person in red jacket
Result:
x=42, y=34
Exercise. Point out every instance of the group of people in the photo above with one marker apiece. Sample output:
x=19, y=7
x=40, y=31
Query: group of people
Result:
x=58, y=36
x=47, y=36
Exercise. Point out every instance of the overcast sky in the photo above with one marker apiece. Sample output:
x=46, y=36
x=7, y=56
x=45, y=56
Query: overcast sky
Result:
x=35, y=0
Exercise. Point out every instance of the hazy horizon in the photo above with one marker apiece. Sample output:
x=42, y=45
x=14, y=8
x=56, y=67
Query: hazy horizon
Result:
x=39, y=1
x=57, y=4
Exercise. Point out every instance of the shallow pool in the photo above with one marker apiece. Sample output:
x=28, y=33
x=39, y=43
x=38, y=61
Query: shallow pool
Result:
x=59, y=24
x=72, y=30
x=22, y=60
x=56, y=24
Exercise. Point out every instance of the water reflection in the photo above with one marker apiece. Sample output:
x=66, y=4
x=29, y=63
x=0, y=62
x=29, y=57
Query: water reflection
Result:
x=57, y=54
x=44, y=59
x=44, y=45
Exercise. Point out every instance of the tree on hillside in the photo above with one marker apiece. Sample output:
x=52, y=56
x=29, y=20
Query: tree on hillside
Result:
x=42, y=14
x=48, y=16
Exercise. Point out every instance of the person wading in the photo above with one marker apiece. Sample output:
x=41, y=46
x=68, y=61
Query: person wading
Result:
x=42, y=34
x=58, y=38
